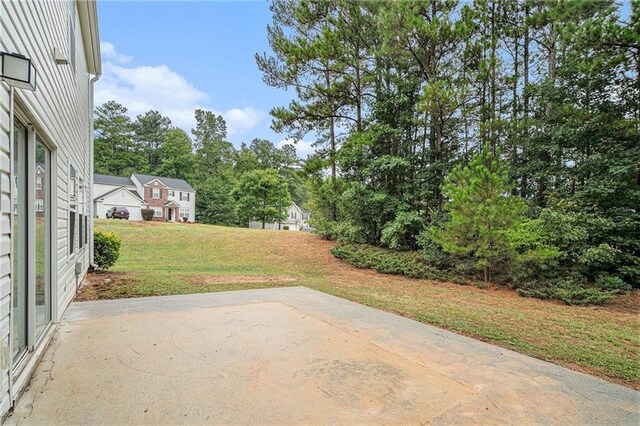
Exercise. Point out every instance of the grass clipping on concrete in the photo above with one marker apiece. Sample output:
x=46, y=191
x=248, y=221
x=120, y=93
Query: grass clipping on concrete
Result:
x=165, y=259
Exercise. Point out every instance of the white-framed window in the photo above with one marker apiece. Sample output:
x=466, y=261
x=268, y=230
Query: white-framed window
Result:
x=184, y=212
x=184, y=196
x=73, y=206
x=172, y=193
x=157, y=211
x=39, y=205
x=39, y=182
x=155, y=193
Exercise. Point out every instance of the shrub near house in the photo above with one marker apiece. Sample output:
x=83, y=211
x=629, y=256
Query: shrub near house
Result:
x=106, y=249
x=147, y=214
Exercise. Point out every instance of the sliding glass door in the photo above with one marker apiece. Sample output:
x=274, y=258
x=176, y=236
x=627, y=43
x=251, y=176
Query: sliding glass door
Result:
x=31, y=239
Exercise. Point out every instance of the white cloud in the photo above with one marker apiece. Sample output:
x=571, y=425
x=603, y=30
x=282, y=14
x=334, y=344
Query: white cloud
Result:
x=143, y=88
x=303, y=148
x=109, y=53
x=241, y=119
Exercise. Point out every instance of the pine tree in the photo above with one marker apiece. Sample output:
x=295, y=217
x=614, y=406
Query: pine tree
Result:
x=149, y=130
x=116, y=153
x=481, y=212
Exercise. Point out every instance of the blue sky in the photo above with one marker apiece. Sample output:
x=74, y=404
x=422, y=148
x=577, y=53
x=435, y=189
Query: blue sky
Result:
x=178, y=56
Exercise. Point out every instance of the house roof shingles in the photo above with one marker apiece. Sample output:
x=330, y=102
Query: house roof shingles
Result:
x=178, y=184
x=112, y=180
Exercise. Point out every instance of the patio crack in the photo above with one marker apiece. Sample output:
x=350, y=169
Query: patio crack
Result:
x=39, y=390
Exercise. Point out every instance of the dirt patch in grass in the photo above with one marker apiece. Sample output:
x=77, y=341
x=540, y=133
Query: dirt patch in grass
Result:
x=105, y=285
x=238, y=279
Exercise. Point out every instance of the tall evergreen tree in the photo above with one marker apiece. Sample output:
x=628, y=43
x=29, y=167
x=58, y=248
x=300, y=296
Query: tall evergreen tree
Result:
x=481, y=212
x=149, y=130
x=115, y=151
x=175, y=155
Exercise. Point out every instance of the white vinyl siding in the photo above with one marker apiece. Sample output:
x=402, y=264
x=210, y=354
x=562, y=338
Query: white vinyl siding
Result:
x=60, y=113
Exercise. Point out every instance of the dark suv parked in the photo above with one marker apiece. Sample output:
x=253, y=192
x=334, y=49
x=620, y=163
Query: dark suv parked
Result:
x=118, y=213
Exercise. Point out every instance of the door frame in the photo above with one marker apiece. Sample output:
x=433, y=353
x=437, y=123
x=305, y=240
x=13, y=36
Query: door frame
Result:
x=36, y=344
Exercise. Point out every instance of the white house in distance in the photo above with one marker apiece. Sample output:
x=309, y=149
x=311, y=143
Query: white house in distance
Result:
x=297, y=218
x=46, y=164
x=173, y=200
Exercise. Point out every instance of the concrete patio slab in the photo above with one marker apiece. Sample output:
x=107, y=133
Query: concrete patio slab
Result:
x=291, y=356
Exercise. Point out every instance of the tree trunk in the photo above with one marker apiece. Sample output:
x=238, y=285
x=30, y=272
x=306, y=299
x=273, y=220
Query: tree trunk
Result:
x=525, y=100
x=551, y=77
x=494, y=38
x=332, y=146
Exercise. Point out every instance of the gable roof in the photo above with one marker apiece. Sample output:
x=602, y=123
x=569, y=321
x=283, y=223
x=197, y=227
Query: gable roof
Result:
x=112, y=180
x=300, y=209
x=113, y=191
x=178, y=184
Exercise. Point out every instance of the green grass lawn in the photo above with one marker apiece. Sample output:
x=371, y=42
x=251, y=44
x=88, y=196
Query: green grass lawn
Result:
x=163, y=259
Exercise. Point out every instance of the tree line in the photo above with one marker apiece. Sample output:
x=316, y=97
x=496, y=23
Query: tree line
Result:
x=500, y=136
x=232, y=185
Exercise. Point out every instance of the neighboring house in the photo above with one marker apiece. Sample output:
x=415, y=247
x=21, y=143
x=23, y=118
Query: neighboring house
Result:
x=297, y=218
x=46, y=164
x=172, y=200
x=116, y=191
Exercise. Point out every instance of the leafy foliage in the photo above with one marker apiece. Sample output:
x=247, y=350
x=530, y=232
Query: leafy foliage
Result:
x=106, y=249
x=403, y=95
x=410, y=264
x=259, y=195
x=569, y=290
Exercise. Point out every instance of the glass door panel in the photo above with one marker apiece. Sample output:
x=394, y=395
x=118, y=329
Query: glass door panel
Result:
x=42, y=233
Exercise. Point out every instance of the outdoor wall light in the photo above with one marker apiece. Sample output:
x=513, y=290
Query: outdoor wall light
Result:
x=18, y=71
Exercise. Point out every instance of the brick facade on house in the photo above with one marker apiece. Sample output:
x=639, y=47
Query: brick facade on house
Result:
x=154, y=203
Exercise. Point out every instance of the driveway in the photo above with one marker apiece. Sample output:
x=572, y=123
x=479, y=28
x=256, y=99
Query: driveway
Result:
x=290, y=356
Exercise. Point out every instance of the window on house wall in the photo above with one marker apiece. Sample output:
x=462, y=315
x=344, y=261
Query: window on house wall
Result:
x=80, y=211
x=184, y=212
x=80, y=231
x=172, y=193
x=73, y=206
x=157, y=211
x=184, y=196
x=38, y=181
x=156, y=193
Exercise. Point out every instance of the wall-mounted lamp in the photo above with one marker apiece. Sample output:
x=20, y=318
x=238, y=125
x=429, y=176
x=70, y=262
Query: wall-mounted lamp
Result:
x=17, y=71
